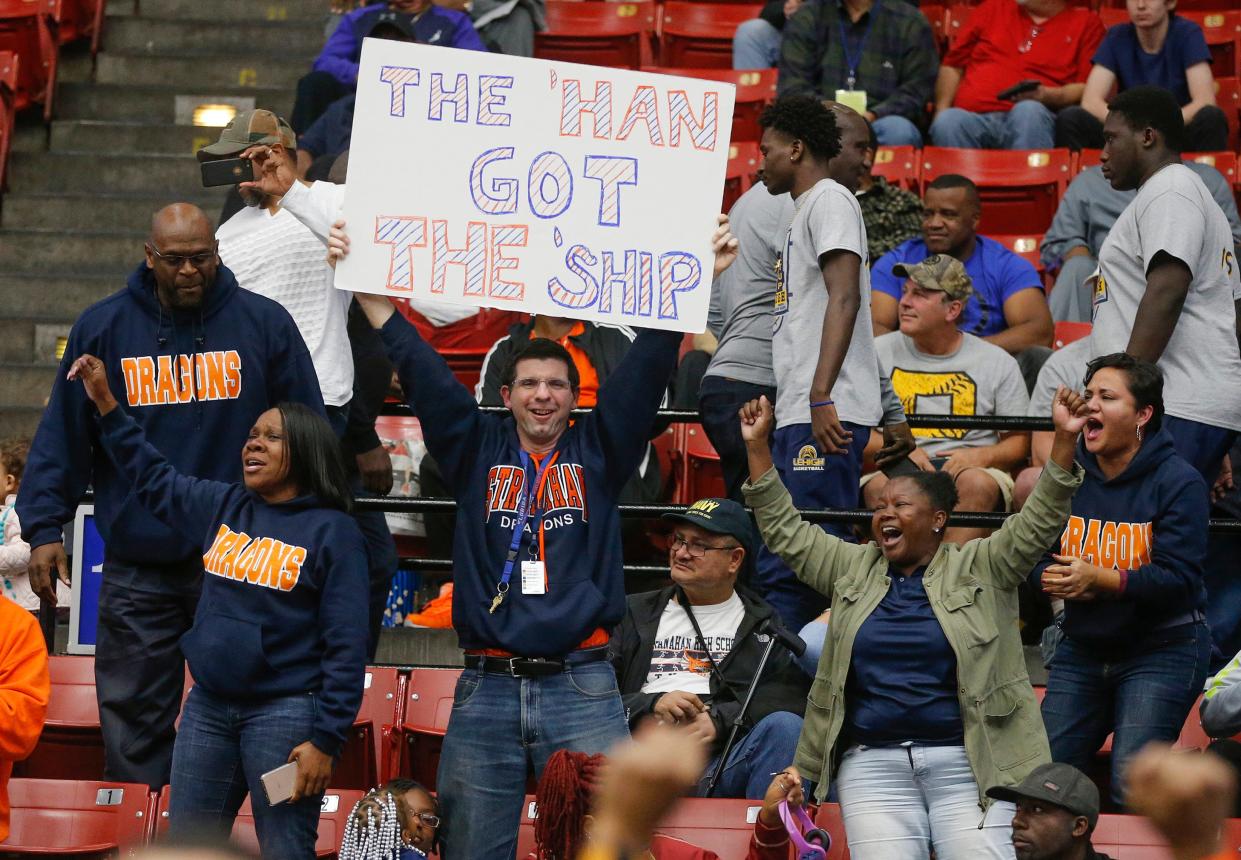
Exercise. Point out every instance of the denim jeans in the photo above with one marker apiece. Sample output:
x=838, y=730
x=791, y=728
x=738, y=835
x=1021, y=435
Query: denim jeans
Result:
x=223, y=748
x=719, y=400
x=756, y=45
x=899, y=802
x=499, y=726
x=893, y=130
x=1203, y=445
x=1144, y=695
x=1029, y=125
x=767, y=748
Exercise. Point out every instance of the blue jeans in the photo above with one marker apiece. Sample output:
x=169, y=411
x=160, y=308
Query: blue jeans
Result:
x=1029, y=125
x=767, y=748
x=831, y=483
x=223, y=748
x=1203, y=445
x=896, y=130
x=1144, y=695
x=499, y=726
x=719, y=400
x=756, y=45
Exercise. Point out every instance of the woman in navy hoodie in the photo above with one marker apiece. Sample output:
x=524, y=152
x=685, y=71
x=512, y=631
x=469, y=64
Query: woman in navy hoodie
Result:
x=278, y=646
x=1129, y=569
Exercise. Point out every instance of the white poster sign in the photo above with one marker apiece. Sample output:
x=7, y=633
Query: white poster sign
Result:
x=547, y=187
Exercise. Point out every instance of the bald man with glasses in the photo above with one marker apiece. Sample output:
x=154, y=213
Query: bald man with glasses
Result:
x=686, y=654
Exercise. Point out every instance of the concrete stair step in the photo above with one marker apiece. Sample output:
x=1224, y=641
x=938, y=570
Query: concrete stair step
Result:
x=37, y=250
x=226, y=10
x=24, y=340
x=26, y=385
x=149, y=35
x=60, y=172
x=30, y=293
x=19, y=421
x=106, y=136
x=158, y=104
x=201, y=72
x=90, y=212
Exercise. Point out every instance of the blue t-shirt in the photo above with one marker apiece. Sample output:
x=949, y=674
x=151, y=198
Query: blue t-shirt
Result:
x=997, y=274
x=1184, y=47
x=903, y=676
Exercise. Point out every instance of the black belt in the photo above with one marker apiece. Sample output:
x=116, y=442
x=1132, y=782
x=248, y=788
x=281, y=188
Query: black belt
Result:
x=530, y=667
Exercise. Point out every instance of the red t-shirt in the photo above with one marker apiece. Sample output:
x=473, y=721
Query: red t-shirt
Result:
x=1000, y=46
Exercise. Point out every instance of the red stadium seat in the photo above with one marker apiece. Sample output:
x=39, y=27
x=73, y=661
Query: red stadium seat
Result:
x=668, y=446
x=1065, y=334
x=700, y=35
x=333, y=814
x=1020, y=189
x=365, y=761
x=9, y=62
x=1129, y=837
x=28, y=29
x=1025, y=246
x=1221, y=28
x=525, y=831
x=428, y=705
x=76, y=817
x=71, y=746
x=1228, y=97
x=741, y=173
x=717, y=824
x=702, y=476
x=828, y=818
x=466, y=364
x=601, y=34
x=898, y=165
x=937, y=16
x=756, y=88
x=1224, y=162
x=1085, y=159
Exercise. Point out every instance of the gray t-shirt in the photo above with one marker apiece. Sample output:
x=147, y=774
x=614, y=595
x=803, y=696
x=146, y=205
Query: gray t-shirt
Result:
x=740, y=311
x=1066, y=366
x=828, y=218
x=979, y=378
x=1174, y=213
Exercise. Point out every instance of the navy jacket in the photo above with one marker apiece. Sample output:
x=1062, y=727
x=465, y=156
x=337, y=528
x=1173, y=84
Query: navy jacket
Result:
x=1151, y=521
x=248, y=356
x=283, y=610
x=480, y=457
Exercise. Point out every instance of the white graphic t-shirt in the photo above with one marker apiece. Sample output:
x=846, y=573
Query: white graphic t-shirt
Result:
x=677, y=660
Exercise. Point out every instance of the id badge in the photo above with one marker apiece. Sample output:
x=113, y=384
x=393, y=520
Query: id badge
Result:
x=855, y=99
x=533, y=578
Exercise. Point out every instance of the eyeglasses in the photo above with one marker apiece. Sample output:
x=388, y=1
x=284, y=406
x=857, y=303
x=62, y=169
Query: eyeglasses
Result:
x=176, y=261
x=696, y=549
x=430, y=819
x=530, y=383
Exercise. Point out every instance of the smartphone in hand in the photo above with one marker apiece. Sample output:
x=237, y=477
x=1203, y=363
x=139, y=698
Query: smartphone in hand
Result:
x=1015, y=90
x=227, y=171
x=278, y=783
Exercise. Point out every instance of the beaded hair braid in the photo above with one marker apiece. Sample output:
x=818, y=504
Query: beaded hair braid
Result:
x=373, y=831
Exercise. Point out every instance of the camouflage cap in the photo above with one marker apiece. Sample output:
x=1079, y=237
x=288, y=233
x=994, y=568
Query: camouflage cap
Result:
x=938, y=272
x=250, y=128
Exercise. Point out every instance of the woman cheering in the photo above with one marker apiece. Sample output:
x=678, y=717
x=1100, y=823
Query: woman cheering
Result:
x=921, y=700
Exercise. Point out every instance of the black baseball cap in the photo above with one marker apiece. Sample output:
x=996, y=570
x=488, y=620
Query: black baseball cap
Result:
x=1059, y=784
x=722, y=516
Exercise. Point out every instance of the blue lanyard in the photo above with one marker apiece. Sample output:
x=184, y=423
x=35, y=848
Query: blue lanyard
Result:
x=852, y=61
x=528, y=497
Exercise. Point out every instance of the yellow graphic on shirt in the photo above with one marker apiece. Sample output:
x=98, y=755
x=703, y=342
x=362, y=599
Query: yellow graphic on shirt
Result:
x=782, y=292
x=957, y=386
x=807, y=459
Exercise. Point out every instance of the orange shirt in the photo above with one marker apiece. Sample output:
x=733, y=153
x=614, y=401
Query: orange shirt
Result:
x=24, y=691
x=588, y=393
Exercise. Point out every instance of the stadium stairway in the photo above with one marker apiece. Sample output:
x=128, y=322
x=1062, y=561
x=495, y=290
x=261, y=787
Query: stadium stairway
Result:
x=81, y=193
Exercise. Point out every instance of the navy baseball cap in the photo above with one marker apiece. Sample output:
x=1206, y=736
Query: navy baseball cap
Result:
x=722, y=516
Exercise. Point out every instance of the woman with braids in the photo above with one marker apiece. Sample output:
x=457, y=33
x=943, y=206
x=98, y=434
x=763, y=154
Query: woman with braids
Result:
x=278, y=646
x=921, y=699
x=397, y=821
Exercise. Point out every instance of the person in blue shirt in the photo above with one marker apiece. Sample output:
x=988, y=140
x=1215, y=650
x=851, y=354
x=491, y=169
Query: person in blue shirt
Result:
x=278, y=646
x=1008, y=307
x=1159, y=49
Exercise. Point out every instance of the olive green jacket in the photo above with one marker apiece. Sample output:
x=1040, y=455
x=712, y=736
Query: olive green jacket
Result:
x=973, y=592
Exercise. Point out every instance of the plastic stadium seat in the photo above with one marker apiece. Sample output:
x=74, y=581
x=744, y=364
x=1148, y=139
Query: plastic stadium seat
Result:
x=1020, y=189
x=78, y=817
x=756, y=88
x=1065, y=334
x=77, y=19
x=1025, y=246
x=1085, y=159
x=71, y=746
x=428, y=705
x=898, y=165
x=828, y=818
x=668, y=446
x=717, y=824
x=1224, y=162
x=28, y=28
x=365, y=761
x=700, y=35
x=525, y=831
x=601, y=34
x=1228, y=97
x=333, y=814
x=9, y=62
x=741, y=173
x=466, y=364
x=702, y=476
x=1221, y=28
x=1129, y=837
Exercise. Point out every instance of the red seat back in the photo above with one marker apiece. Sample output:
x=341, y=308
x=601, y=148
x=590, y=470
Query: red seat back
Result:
x=1221, y=28
x=601, y=34
x=429, y=696
x=756, y=88
x=363, y=762
x=1228, y=97
x=9, y=62
x=828, y=818
x=667, y=447
x=717, y=824
x=898, y=165
x=703, y=476
x=1024, y=245
x=1020, y=189
x=700, y=35
x=71, y=745
x=28, y=29
x=1067, y=332
x=57, y=816
x=741, y=173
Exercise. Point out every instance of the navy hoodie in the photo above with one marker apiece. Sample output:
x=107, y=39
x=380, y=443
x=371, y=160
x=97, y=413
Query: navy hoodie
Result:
x=248, y=355
x=284, y=602
x=1151, y=521
x=480, y=457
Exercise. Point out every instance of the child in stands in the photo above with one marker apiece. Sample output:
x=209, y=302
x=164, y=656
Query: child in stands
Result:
x=397, y=821
x=15, y=552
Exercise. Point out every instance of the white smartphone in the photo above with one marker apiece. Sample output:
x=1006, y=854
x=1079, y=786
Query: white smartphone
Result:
x=278, y=783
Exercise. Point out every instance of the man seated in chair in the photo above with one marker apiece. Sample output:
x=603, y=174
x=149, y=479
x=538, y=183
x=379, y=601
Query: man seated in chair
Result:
x=686, y=654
